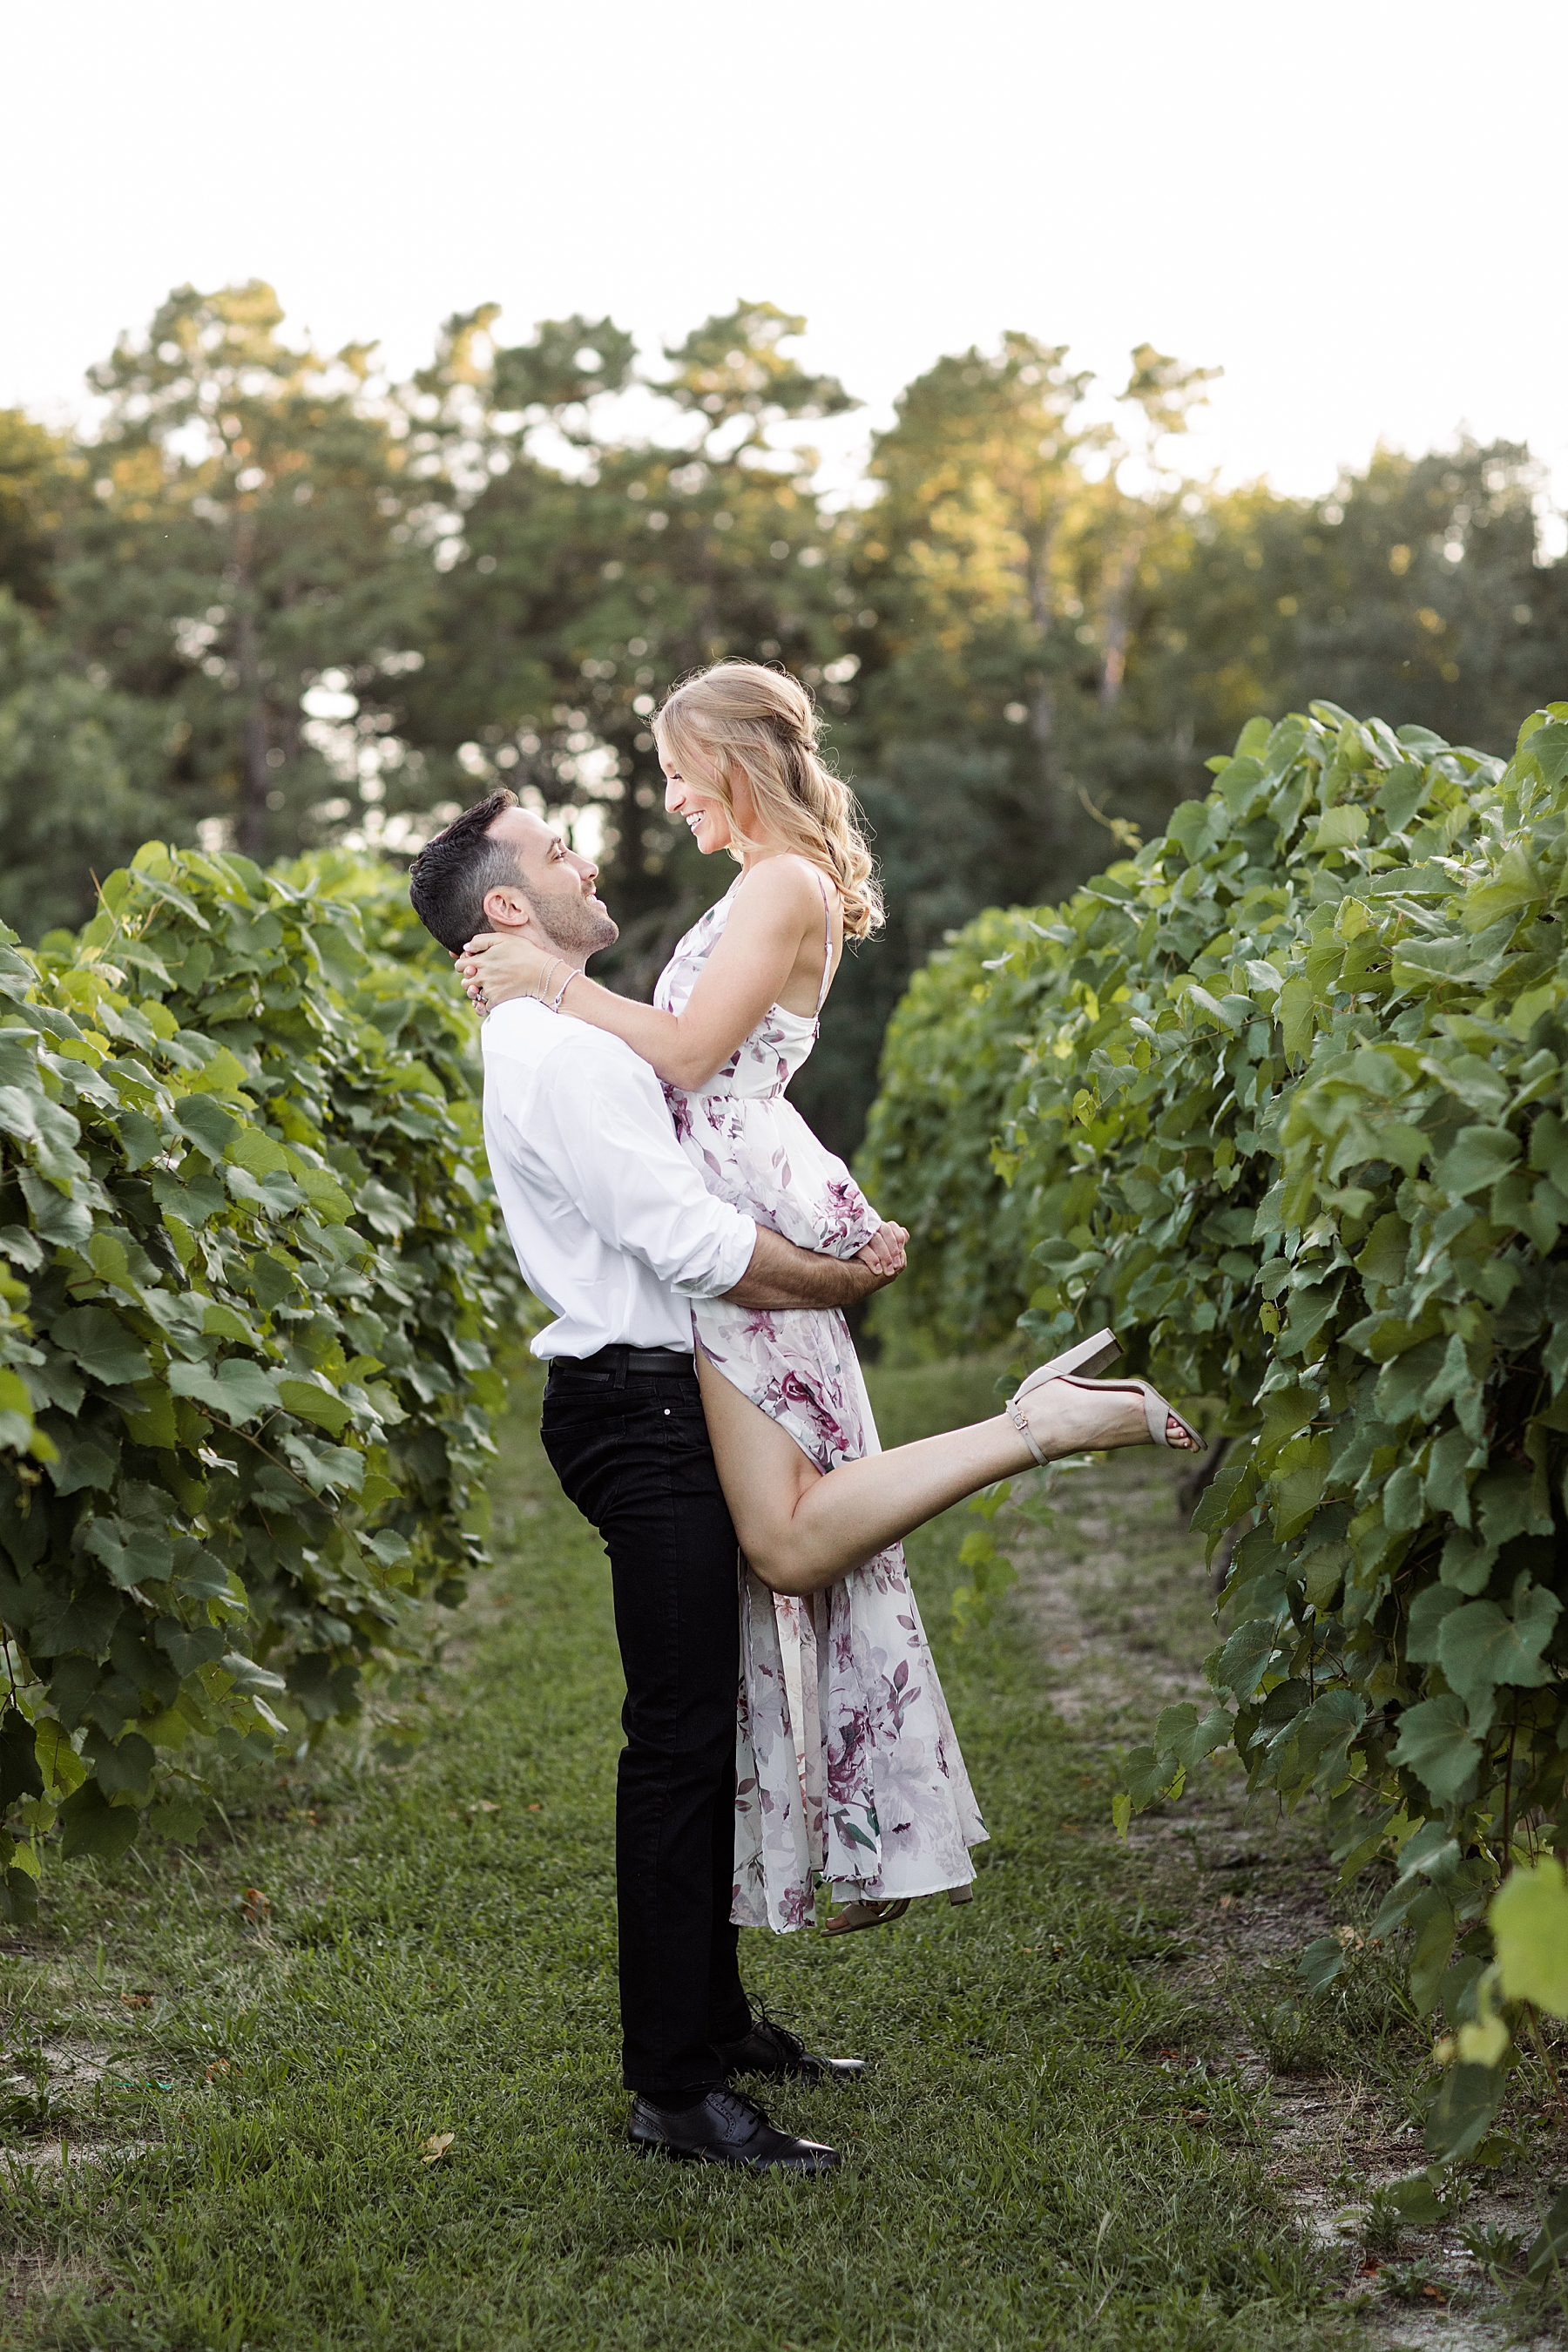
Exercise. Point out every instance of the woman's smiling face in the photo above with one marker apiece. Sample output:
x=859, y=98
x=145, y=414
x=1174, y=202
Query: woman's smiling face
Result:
x=703, y=812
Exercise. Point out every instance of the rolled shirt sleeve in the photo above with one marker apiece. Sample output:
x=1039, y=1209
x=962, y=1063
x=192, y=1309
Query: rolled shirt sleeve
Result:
x=633, y=1182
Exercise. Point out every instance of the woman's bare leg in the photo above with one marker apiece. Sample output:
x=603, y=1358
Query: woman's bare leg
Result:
x=803, y=1528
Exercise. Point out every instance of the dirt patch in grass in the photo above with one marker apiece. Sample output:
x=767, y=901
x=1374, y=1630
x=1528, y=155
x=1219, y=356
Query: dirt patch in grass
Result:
x=64, y=2065
x=54, y=2113
x=37, y=2277
x=63, y=2154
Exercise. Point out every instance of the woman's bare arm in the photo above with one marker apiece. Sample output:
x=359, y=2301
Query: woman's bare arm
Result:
x=778, y=904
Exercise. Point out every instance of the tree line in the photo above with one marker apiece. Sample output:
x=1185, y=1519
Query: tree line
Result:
x=269, y=597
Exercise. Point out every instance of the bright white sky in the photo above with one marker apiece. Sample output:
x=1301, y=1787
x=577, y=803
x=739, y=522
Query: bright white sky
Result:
x=1354, y=208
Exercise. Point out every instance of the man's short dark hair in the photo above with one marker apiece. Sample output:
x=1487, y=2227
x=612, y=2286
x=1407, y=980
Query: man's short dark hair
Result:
x=448, y=879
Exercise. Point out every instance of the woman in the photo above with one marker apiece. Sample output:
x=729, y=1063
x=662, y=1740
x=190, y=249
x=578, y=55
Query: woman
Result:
x=847, y=1767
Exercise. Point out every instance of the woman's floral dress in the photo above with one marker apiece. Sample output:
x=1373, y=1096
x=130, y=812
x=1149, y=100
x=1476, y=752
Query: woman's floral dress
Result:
x=846, y=1761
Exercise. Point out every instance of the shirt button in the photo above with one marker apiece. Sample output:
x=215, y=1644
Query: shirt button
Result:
x=667, y=1412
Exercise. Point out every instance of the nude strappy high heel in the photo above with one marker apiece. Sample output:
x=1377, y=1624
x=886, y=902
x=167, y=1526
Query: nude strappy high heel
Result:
x=854, y=1915
x=883, y=1913
x=1089, y=1356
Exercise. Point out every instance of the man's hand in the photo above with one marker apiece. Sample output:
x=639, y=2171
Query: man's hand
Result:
x=780, y=1275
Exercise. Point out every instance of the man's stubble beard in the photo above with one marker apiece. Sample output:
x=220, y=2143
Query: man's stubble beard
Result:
x=570, y=923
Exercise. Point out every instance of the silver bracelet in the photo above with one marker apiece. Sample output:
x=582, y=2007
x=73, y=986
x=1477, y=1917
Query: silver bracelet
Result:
x=555, y=1000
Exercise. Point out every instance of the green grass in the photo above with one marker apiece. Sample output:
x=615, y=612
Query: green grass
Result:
x=1022, y=2168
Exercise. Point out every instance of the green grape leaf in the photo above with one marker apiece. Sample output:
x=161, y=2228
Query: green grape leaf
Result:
x=1464, y=2110
x=1295, y=1015
x=209, y=1126
x=1427, y=1611
x=1340, y=827
x=1437, y=1743
x=237, y=1390
x=1479, y=1648
x=1245, y=1659
x=1480, y=1156
x=89, y=1824
x=1322, y=1962
x=313, y=1404
x=20, y=1773
x=124, y=1767
x=1529, y=1920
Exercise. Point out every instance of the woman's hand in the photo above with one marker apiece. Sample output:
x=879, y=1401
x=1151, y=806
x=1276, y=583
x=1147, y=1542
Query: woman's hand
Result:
x=884, y=1253
x=496, y=967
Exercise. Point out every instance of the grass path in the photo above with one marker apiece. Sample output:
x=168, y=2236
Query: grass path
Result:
x=253, y=2080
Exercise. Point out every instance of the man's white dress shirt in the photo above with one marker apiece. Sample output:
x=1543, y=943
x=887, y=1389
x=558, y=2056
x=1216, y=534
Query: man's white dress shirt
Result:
x=613, y=1227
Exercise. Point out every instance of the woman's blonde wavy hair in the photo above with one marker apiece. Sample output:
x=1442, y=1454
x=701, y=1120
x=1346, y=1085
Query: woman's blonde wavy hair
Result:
x=739, y=715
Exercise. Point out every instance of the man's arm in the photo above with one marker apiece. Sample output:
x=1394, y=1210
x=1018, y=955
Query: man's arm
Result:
x=781, y=1275
x=599, y=1121
x=605, y=1124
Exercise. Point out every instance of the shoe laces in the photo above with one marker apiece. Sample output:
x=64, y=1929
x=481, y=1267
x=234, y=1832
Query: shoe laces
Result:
x=737, y=2108
x=789, y=2044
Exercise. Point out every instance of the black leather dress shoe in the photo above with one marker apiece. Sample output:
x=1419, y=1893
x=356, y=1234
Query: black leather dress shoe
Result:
x=725, y=2129
x=771, y=2049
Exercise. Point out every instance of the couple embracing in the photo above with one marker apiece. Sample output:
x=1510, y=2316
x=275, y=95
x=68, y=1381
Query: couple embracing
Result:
x=705, y=1409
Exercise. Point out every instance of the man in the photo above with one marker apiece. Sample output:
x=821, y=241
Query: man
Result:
x=614, y=1231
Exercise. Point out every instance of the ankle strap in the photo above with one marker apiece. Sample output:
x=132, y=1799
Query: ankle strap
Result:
x=1020, y=1421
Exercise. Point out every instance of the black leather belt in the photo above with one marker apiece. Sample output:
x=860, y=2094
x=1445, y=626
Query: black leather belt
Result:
x=613, y=1363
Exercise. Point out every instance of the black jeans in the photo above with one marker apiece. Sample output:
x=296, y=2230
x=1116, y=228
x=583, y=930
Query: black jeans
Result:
x=632, y=1453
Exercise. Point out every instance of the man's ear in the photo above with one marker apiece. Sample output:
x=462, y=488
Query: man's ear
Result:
x=507, y=909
